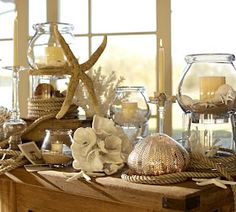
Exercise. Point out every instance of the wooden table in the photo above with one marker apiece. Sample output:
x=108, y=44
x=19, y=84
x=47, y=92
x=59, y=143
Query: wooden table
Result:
x=48, y=191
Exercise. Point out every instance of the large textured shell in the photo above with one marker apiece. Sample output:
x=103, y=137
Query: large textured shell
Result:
x=156, y=155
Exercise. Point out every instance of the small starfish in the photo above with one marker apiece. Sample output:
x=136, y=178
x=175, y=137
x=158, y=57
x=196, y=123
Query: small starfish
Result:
x=77, y=73
x=82, y=174
x=216, y=181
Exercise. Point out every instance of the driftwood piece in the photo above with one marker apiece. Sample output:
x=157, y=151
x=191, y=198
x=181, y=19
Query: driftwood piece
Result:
x=38, y=133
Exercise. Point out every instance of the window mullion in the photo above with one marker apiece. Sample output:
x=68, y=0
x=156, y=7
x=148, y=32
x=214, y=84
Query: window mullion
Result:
x=23, y=17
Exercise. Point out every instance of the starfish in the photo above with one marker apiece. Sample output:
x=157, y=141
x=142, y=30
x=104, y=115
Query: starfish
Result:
x=216, y=181
x=77, y=72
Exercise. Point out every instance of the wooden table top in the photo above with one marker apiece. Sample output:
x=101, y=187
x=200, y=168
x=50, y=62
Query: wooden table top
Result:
x=181, y=196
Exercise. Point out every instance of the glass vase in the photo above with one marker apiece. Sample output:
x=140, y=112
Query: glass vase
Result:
x=44, y=48
x=207, y=94
x=56, y=147
x=130, y=110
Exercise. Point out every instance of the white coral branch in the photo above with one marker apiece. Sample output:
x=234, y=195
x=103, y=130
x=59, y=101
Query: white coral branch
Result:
x=104, y=87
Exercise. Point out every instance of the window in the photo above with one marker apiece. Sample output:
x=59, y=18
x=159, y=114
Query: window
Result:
x=132, y=38
x=133, y=28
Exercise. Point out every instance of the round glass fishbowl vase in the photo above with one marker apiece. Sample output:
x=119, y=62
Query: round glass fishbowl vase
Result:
x=207, y=95
x=56, y=147
x=44, y=48
x=131, y=111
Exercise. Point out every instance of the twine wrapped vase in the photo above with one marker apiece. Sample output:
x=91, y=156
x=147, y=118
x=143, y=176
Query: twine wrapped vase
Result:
x=158, y=154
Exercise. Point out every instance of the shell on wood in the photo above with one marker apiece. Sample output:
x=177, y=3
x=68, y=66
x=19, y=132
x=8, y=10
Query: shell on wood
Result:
x=158, y=154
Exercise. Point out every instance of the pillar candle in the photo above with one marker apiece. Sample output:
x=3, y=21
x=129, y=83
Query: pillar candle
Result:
x=54, y=55
x=161, y=71
x=15, y=42
x=129, y=109
x=208, y=86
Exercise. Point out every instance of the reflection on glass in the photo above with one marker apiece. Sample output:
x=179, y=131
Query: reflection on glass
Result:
x=74, y=12
x=123, y=16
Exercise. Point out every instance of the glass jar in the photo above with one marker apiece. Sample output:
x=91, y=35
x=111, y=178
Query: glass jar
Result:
x=56, y=146
x=130, y=110
x=207, y=95
x=48, y=81
x=44, y=49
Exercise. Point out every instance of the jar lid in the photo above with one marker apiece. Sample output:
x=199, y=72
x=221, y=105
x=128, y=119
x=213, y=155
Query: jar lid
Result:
x=210, y=58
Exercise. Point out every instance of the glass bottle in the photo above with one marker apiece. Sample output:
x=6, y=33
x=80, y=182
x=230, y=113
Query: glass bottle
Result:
x=207, y=95
x=130, y=110
x=56, y=146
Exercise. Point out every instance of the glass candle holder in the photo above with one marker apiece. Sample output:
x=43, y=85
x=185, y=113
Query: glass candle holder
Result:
x=44, y=49
x=207, y=92
x=56, y=147
x=48, y=77
x=130, y=110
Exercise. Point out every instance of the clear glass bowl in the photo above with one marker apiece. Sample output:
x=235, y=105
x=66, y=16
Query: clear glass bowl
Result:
x=44, y=49
x=208, y=84
x=56, y=147
x=130, y=110
x=207, y=95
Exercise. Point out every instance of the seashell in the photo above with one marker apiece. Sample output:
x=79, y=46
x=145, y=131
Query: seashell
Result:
x=4, y=114
x=85, y=139
x=224, y=90
x=158, y=154
x=186, y=100
x=44, y=90
x=103, y=148
x=103, y=126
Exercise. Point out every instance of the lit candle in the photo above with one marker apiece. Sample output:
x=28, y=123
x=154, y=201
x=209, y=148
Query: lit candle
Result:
x=129, y=109
x=54, y=55
x=208, y=86
x=57, y=147
x=161, y=54
x=15, y=41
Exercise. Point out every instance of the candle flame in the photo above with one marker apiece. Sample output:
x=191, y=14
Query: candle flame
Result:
x=161, y=43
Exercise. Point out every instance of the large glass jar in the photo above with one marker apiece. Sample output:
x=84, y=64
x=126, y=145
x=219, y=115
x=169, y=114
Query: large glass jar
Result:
x=44, y=49
x=48, y=81
x=56, y=147
x=130, y=110
x=207, y=92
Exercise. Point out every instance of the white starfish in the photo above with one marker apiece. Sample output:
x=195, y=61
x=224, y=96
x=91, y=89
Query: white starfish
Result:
x=216, y=181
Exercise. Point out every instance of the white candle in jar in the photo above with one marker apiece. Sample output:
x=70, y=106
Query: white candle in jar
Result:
x=57, y=147
x=129, y=109
x=209, y=85
x=54, y=55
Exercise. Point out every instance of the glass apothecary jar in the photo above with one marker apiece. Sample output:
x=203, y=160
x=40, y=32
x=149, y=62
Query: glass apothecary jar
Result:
x=44, y=48
x=48, y=78
x=130, y=110
x=56, y=146
x=207, y=95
